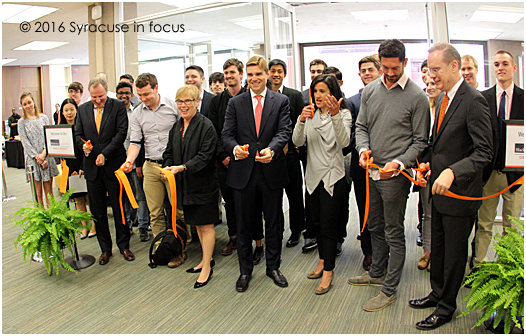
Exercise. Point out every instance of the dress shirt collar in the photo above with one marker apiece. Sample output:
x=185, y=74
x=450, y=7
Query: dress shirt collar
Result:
x=453, y=91
x=402, y=81
x=280, y=90
x=509, y=90
x=162, y=102
x=253, y=95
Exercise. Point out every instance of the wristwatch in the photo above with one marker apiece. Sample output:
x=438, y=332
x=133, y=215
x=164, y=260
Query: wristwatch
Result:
x=184, y=167
x=271, y=152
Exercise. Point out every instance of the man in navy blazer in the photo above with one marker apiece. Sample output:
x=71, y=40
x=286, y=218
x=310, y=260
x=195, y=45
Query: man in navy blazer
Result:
x=101, y=162
x=194, y=75
x=461, y=146
x=259, y=119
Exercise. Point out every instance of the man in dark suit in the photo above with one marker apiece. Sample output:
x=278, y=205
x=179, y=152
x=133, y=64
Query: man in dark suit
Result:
x=294, y=190
x=370, y=70
x=103, y=122
x=260, y=120
x=460, y=148
x=506, y=102
x=194, y=75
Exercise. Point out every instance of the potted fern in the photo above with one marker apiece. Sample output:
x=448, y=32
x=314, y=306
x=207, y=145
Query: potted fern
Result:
x=497, y=288
x=49, y=230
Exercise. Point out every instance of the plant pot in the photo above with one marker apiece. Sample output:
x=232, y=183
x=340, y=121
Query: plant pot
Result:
x=488, y=324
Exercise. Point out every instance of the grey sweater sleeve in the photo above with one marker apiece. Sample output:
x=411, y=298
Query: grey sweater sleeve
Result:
x=362, y=129
x=420, y=123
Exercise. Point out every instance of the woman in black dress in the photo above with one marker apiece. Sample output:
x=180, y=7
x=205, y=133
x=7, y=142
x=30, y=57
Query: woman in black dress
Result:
x=190, y=155
x=68, y=114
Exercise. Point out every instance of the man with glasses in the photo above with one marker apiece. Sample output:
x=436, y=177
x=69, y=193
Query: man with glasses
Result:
x=461, y=148
x=393, y=128
x=124, y=93
x=151, y=123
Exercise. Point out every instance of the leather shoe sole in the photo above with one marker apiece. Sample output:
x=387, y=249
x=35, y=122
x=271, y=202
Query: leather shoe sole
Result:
x=432, y=322
x=422, y=303
x=242, y=283
x=279, y=279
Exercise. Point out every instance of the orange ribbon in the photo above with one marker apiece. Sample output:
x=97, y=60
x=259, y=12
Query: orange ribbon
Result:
x=310, y=103
x=173, y=191
x=448, y=193
x=123, y=181
x=64, y=178
x=90, y=146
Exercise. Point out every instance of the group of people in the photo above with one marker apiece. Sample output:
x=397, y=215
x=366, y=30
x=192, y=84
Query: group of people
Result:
x=248, y=144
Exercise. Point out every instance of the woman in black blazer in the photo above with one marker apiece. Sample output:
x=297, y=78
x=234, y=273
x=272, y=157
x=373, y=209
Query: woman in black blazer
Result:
x=190, y=155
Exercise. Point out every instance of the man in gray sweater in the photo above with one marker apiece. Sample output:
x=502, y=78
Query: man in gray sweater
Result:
x=393, y=126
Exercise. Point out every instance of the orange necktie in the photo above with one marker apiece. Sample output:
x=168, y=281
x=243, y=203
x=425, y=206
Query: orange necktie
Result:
x=442, y=112
x=259, y=111
x=98, y=119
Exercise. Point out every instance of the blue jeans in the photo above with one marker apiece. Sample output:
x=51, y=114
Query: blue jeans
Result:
x=143, y=215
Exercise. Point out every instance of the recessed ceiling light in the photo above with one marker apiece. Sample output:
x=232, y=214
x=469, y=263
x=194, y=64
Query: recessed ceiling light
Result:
x=250, y=22
x=41, y=45
x=497, y=14
x=57, y=61
x=381, y=15
x=479, y=34
x=8, y=60
x=9, y=10
x=29, y=14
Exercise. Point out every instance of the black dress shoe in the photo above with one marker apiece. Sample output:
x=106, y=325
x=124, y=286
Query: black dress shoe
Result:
x=293, y=241
x=197, y=270
x=202, y=284
x=242, y=282
x=432, y=322
x=279, y=279
x=259, y=252
x=422, y=303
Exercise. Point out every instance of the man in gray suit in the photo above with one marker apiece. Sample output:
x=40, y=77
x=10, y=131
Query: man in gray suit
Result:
x=461, y=146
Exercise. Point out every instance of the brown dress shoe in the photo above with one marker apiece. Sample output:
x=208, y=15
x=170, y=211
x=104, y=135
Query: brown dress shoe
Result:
x=176, y=261
x=104, y=258
x=230, y=247
x=367, y=261
x=423, y=262
x=128, y=255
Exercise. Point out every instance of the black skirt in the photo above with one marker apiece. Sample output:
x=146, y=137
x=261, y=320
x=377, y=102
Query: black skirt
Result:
x=201, y=214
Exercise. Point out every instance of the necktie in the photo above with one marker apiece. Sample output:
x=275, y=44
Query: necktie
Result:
x=98, y=119
x=442, y=113
x=259, y=111
x=502, y=110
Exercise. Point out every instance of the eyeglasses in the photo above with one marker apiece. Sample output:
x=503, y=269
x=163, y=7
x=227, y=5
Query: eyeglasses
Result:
x=436, y=70
x=124, y=93
x=186, y=102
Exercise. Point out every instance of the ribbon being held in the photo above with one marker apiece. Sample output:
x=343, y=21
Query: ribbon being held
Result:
x=123, y=181
x=173, y=192
x=64, y=177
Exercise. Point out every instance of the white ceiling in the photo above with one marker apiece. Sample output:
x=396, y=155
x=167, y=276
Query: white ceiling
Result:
x=315, y=22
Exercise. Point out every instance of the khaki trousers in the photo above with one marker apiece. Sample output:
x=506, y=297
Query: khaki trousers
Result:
x=512, y=206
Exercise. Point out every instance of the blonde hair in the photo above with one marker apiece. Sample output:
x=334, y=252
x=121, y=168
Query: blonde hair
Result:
x=466, y=58
x=190, y=90
x=259, y=61
x=28, y=94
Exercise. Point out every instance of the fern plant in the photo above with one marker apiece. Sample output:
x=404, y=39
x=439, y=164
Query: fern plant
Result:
x=498, y=286
x=49, y=230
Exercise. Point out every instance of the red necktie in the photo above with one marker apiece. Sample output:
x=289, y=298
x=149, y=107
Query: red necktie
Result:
x=259, y=111
x=442, y=112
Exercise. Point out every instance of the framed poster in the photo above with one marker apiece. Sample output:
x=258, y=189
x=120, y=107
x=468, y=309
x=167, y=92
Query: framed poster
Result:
x=514, y=145
x=60, y=141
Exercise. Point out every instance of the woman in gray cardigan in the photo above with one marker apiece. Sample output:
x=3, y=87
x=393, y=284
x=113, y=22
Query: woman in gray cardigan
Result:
x=190, y=155
x=326, y=126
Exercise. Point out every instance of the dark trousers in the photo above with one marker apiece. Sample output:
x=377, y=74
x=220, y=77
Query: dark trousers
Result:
x=228, y=195
x=309, y=232
x=360, y=195
x=294, y=191
x=343, y=215
x=249, y=216
x=99, y=208
x=324, y=210
x=449, y=253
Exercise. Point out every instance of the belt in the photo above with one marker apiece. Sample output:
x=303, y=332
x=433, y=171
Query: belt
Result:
x=155, y=161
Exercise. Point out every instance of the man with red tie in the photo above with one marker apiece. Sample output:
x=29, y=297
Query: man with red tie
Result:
x=257, y=128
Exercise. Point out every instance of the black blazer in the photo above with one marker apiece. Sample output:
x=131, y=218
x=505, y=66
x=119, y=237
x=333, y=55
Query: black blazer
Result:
x=296, y=106
x=275, y=131
x=110, y=140
x=199, y=184
x=516, y=113
x=464, y=144
x=354, y=102
x=205, y=106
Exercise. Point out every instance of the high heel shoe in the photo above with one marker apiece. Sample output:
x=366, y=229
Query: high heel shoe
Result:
x=197, y=270
x=314, y=275
x=202, y=284
x=321, y=290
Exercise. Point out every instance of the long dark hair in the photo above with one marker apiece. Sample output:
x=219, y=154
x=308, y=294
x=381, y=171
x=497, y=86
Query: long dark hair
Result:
x=67, y=101
x=333, y=85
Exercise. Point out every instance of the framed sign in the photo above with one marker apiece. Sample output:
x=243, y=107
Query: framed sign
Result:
x=60, y=141
x=514, y=145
